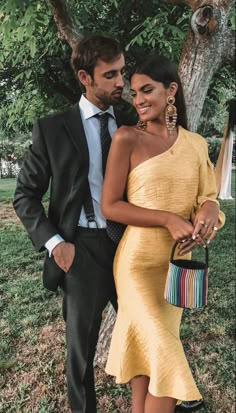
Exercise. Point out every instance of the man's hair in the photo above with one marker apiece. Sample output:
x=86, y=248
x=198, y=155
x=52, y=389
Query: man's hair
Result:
x=89, y=49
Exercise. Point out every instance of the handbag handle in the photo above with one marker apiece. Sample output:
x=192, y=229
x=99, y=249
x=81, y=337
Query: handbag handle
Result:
x=175, y=245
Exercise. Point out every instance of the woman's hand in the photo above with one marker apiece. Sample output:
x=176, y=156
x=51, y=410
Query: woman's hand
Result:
x=179, y=228
x=206, y=221
x=186, y=246
x=182, y=231
x=205, y=227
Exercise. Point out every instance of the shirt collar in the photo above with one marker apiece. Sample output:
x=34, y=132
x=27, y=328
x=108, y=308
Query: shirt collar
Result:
x=89, y=110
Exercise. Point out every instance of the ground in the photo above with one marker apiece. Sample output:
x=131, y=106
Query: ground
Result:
x=32, y=344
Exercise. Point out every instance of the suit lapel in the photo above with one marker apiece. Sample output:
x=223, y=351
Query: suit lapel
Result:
x=74, y=126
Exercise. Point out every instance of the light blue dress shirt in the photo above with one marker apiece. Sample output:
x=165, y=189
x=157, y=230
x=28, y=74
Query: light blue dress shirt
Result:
x=91, y=126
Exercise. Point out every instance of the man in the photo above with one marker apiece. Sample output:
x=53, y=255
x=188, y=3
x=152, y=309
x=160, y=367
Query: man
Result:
x=66, y=150
x=69, y=153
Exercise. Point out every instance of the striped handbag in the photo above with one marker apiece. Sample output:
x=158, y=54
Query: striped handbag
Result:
x=187, y=282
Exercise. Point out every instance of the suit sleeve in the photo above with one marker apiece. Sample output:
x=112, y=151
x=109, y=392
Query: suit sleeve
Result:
x=32, y=183
x=207, y=185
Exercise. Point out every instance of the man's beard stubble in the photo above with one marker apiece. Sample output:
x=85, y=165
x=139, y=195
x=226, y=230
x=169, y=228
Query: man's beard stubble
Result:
x=108, y=99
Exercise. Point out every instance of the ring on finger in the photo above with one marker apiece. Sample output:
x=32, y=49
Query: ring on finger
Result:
x=205, y=226
x=215, y=228
x=201, y=222
x=183, y=240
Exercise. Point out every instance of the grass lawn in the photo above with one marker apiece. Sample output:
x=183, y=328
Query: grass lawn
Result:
x=32, y=345
x=7, y=187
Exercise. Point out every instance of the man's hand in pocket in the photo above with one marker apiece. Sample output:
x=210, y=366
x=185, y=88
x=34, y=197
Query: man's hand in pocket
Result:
x=64, y=254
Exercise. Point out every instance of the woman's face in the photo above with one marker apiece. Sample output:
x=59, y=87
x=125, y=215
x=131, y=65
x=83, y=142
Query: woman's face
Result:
x=150, y=97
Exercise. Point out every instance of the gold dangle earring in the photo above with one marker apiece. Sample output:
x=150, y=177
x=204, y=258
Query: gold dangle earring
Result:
x=171, y=114
x=142, y=125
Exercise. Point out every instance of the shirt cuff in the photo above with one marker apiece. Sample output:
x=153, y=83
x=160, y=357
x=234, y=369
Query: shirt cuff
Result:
x=52, y=243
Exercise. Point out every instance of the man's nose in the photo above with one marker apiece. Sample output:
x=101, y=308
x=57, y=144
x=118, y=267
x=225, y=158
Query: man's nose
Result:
x=120, y=81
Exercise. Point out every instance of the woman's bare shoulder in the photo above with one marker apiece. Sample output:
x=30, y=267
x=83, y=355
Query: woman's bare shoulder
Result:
x=125, y=134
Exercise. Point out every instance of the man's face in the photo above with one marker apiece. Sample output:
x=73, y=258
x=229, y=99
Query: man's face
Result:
x=106, y=86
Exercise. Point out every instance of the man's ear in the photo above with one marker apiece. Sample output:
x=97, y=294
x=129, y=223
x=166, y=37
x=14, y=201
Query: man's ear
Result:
x=173, y=88
x=84, y=78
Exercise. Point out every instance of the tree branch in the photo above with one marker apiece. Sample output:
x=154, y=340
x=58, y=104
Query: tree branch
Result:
x=66, y=25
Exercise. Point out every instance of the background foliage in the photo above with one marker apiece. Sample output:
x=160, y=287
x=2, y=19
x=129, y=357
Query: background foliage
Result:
x=35, y=73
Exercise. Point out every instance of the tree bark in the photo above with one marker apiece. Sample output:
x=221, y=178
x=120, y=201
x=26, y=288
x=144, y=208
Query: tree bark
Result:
x=105, y=337
x=67, y=27
x=204, y=51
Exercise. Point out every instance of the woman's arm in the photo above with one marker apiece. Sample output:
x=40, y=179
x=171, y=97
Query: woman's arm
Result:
x=206, y=215
x=207, y=210
x=113, y=206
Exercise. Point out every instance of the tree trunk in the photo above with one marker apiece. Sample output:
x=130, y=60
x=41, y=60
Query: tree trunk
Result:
x=105, y=337
x=68, y=28
x=204, y=51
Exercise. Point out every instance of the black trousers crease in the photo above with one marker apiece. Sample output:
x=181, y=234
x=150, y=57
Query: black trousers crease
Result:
x=87, y=288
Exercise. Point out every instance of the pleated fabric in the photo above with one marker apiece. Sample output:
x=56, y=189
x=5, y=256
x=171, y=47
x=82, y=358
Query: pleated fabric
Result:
x=145, y=339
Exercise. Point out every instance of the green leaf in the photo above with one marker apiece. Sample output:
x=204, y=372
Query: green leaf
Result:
x=29, y=30
x=139, y=40
x=233, y=22
x=28, y=15
x=32, y=45
x=20, y=33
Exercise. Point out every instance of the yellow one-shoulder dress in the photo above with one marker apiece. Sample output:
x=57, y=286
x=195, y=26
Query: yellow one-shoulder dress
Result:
x=145, y=339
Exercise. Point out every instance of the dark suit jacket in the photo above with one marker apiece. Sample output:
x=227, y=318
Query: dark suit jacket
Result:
x=58, y=156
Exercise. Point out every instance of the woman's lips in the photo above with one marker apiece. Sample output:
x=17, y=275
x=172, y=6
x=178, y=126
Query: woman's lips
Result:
x=143, y=110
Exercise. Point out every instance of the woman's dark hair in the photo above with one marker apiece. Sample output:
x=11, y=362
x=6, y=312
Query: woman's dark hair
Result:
x=89, y=49
x=163, y=70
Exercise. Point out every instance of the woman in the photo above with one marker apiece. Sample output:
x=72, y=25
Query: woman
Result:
x=171, y=193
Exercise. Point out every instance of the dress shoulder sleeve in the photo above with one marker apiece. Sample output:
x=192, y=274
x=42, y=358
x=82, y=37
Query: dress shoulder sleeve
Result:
x=207, y=190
